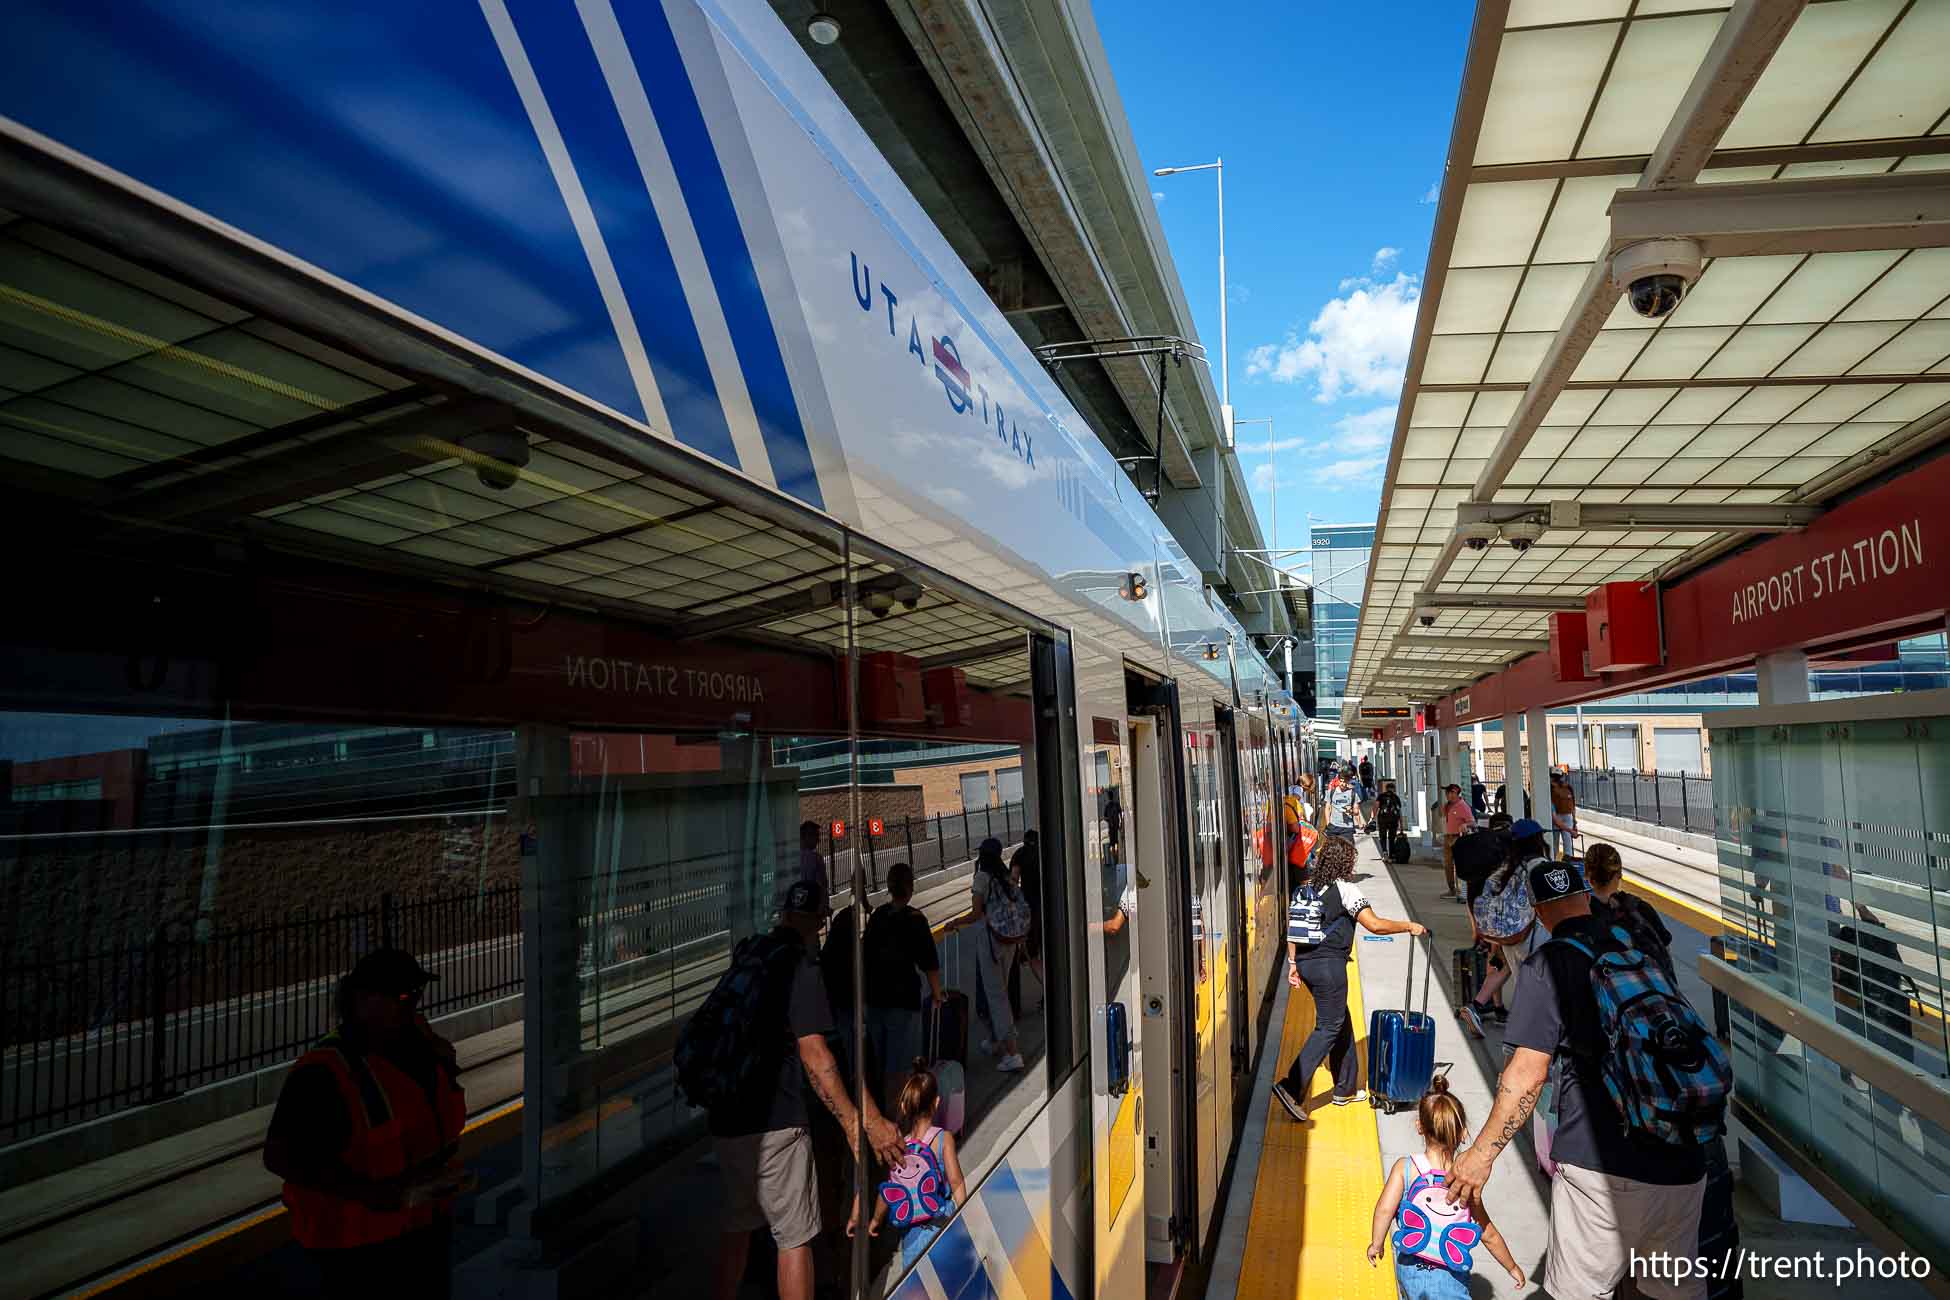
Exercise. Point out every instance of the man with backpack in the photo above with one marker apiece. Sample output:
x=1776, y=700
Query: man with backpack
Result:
x=900, y=954
x=1388, y=815
x=748, y=1056
x=1642, y=1088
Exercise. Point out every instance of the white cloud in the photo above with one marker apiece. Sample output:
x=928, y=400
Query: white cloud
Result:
x=1158, y=196
x=1262, y=478
x=1434, y=194
x=1357, y=344
x=1384, y=258
x=1364, y=430
x=1349, y=473
x=1247, y=447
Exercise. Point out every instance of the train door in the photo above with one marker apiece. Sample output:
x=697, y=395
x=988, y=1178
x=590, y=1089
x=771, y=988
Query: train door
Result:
x=1112, y=946
x=1212, y=975
x=1239, y=860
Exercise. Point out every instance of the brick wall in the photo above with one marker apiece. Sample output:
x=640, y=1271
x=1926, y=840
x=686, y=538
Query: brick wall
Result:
x=941, y=786
x=888, y=802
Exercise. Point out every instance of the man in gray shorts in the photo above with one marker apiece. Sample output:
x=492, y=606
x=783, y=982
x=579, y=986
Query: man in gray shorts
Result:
x=764, y=1149
x=1618, y=1194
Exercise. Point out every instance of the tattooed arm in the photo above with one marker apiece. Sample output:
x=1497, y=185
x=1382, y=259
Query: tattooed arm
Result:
x=823, y=1073
x=1516, y=1096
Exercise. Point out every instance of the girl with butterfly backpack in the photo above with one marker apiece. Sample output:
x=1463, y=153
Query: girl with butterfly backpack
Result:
x=925, y=1185
x=1434, y=1240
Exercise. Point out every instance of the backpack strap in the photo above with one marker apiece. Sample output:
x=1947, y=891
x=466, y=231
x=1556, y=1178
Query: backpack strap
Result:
x=1579, y=944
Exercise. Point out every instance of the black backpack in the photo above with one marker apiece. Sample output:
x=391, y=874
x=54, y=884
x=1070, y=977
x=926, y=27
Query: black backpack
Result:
x=1479, y=853
x=890, y=971
x=730, y=1050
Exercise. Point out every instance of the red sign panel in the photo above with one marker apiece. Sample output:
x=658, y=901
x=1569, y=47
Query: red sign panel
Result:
x=839, y=830
x=875, y=828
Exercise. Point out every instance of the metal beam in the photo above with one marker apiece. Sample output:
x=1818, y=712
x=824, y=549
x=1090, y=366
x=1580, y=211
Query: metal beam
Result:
x=1838, y=214
x=1626, y=166
x=1495, y=600
x=1515, y=643
x=1736, y=517
x=1472, y=669
x=976, y=654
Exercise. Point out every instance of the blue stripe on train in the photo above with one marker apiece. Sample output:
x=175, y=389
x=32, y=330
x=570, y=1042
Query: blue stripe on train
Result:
x=352, y=135
x=700, y=175
x=958, y=1264
x=572, y=81
x=1015, y=1223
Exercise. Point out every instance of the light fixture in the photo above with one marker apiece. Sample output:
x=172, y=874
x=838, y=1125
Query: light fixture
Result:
x=823, y=28
x=1134, y=587
x=1211, y=650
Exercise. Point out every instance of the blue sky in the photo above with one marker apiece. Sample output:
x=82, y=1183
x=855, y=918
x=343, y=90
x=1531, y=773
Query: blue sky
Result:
x=1333, y=121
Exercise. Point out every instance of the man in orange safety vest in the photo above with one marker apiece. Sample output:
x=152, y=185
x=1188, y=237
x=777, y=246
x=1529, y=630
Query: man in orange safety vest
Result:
x=366, y=1136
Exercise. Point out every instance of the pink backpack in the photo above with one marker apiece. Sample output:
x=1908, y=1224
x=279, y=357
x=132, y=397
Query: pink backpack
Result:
x=1428, y=1227
x=916, y=1190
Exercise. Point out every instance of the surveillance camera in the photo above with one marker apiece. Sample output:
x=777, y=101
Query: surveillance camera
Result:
x=1522, y=534
x=1426, y=620
x=498, y=456
x=1656, y=274
x=1477, y=536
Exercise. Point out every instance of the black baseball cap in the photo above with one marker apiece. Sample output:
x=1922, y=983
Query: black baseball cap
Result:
x=807, y=898
x=1550, y=881
x=389, y=970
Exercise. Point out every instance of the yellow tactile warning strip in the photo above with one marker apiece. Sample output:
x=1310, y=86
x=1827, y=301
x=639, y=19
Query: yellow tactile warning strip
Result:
x=1314, y=1199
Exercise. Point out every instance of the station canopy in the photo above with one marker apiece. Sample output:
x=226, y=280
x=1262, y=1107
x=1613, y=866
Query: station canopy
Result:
x=1804, y=150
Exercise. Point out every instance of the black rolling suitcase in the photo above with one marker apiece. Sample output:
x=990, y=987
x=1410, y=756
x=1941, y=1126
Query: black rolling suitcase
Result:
x=1470, y=966
x=946, y=1028
x=1398, y=850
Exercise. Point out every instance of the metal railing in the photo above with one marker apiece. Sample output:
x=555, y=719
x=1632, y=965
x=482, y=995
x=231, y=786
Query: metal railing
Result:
x=90, y=1034
x=1681, y=801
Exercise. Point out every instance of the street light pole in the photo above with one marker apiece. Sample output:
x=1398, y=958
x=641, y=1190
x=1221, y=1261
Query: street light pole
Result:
x=1273, y=473
x=1225, y=356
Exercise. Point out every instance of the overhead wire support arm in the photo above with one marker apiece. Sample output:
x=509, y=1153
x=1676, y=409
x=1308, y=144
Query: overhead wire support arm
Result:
x=1170, y=349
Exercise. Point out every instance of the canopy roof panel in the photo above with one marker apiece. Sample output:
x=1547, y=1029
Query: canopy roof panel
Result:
x=1784, y=376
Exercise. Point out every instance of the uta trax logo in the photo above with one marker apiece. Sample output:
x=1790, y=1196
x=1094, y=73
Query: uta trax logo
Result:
x=943, y=359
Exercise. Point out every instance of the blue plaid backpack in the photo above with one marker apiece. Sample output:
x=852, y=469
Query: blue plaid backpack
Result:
x=732, y=1047
x=1666, y=1072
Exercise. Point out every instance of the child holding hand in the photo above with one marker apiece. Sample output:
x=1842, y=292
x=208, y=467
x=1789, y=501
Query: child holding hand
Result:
x=1433, y=1239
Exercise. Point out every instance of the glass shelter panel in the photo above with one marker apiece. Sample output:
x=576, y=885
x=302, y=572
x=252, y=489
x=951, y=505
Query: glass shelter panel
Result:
x=1832, y=846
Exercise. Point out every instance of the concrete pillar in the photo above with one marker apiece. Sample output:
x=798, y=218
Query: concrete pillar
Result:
x=1783, y=677
x=1478, y=766
x=1537, y=727
x=1513, y=762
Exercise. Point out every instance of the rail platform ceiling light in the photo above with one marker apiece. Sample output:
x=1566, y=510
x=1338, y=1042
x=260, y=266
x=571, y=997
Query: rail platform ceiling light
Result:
x=824, y=29
x=1135, y=587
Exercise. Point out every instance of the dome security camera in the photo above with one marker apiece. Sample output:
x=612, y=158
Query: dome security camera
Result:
x=1426, y=620
x=1477, y=537
x=1523, y=534
x=1656, y=274
x=498, y=456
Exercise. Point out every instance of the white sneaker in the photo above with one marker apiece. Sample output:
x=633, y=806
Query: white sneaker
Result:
x=1010, y=1063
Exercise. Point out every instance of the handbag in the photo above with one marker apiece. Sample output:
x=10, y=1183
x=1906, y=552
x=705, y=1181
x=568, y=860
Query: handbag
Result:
x=1503, y=911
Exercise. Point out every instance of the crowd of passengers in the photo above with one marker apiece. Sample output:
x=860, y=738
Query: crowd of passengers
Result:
x=1626, y=1111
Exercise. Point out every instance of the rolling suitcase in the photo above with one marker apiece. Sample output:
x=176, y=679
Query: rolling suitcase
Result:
x=946, y=1028
x=1401, y=1050
x=1471, y=966
x=1398, y=850
x=947, y=1031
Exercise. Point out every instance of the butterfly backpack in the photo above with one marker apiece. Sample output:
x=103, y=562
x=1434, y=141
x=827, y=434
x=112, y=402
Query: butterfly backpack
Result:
x=916, y=1190
x=1429, y=1228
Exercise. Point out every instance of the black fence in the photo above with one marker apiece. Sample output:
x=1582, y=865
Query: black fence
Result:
x=1680, y=801
x=88, y=1035
x=85, y=1036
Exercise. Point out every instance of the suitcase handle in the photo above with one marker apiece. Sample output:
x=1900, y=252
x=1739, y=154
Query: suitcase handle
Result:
x=1409, y=992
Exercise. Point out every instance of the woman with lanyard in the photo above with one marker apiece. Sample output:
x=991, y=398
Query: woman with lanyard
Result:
x=1320, y=941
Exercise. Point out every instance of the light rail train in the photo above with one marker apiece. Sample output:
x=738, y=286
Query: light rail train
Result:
x=582, y=378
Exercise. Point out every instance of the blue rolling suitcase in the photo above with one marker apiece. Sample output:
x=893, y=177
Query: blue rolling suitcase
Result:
x=1401, y=1049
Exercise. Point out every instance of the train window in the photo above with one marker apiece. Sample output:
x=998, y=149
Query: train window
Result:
x=946, y=704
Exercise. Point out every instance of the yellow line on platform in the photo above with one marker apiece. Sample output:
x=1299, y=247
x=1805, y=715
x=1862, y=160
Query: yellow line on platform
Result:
x=1682, y=910
x=1314, y=1198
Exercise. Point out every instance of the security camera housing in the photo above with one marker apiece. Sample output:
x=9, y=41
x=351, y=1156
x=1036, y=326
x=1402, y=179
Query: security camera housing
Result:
x=1522, y=534
x=503, y=453
x=1426, y=620
x=1477, y=536
x=1656, y=274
